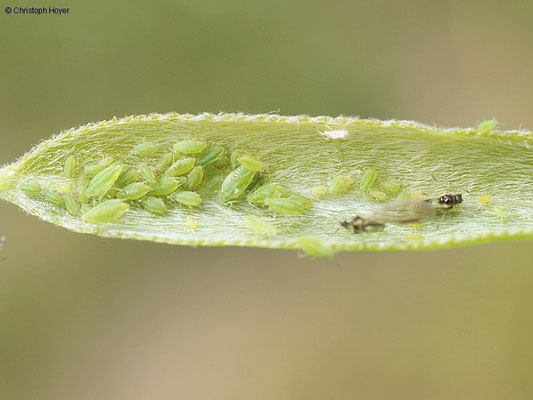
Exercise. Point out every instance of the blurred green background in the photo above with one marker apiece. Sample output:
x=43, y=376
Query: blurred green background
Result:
x=83, y=317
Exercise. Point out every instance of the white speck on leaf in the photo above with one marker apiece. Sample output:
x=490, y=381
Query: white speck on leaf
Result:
x=337, y=134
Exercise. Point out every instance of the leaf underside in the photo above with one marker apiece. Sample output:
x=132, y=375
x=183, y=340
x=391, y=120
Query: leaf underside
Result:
x=425, y=160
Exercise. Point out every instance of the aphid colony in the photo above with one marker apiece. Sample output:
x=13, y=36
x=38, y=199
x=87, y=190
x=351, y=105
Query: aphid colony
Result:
x=193, y=170
x=104, y=191
x=368, y=185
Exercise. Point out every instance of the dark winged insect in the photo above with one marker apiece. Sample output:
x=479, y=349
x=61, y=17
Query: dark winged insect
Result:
x=395, y=212
x=448, y=201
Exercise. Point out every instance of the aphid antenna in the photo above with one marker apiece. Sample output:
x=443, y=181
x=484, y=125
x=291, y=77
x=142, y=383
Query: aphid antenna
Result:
x=229, y=204
x=435, y=179
x=455, y=189
x=254, y=206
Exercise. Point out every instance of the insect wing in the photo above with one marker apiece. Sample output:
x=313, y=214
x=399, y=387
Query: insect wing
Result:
x=403, y=211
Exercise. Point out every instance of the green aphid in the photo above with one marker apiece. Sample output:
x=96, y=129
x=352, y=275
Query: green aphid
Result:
x=134, y=191
x=82, y=183
x=234, y=159
x=167, y=185
x=70, y=164
x=487, y=126
x=53, y=197
x=259, y=179
x=187, y=198
x=147, y=173
x=499, y=212
x=259, y=196
x=304, y=201
x=210, y=171
x=315, y=247
x=320, y=191
x=181, y=167
x=189, y=147
x=195, y=178
x=127, y=178
x=378, y=195
x=191, y=223
x=340, y=184
x=64, y=188
x=368, y=178
x=103, y=181
x=31, y=188
x=222, y=162
x=71, y=204
x=165, y=161
x=252, y=163
x=391, y=186
x=236, y=184
x=210, y=155
x=106, y=211
x=145, y=148
x=485, y=200
x=259, y=226
x=213, y=180
x=92, y=169
x=106, y=161
x=154, y=205
x=403, y=195
x=285, y=206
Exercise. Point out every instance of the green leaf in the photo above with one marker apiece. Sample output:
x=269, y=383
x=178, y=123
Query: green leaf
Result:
x=492, y=169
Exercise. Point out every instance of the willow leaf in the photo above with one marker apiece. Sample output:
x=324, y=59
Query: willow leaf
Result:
x=303, y=153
